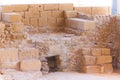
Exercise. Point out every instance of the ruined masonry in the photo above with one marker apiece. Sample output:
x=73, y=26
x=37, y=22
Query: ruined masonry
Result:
x=58, y=37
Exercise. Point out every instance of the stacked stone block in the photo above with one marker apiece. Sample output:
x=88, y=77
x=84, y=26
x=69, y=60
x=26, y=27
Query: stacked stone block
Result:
x=26, y=59
x=48, y=15
x=12, y=29
x=92, y=60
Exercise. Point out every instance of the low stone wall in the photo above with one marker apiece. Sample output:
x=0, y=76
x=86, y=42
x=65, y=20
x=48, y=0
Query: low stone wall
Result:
x=92, y=60
x=49, y=15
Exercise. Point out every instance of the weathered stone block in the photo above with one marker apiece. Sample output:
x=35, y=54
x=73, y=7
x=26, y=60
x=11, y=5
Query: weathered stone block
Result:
x=8, y=55
x=104, y=59
x=96, y=51
x=20, y=8
x=17, y=27
x=28, y=53
x=51, y=6
x=80, y=24
x=6, y=9
x=30, y=65
x=11, y=17
x=90, y=69
x=108, y=68
x=65, y=6
x=105, y=51
x=70, y=14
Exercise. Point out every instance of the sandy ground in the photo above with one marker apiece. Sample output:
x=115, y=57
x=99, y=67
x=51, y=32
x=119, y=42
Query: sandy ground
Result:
x=17, y=75
x=80, y=76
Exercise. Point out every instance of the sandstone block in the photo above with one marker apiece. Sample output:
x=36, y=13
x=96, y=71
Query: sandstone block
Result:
x=6, y=9
x=86, y=10
x=57, y=14
x=22, y=14
x=26, y=21
x=70, y=14
x=105, y=51
x=100, y=11
x=17, y=27
x=91, y=69
x=11, y=17
x=80, y=24
x=88, y=60
x=20, y=8
x=60, y=21
x=96, y=51
x=28, y=53
x=52, y=21
x=8, y=55
x=108, y=68
x=18, y=36
x=46, y=14
x=34, y=22
x=10, y=65
x=51, y=6
x=38, y=7
x=30, y=65
x=34, y=14
x=65, y=6
x=86, y=51
x=42, y=21
x=104, y=59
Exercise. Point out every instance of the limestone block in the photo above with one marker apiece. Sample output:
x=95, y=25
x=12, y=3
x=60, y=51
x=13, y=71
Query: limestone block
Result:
x=18, y=36
x=46, y=14
x=104, y=59
x=34, y=7
x=22, y=14
x=80, y=24
x=60, y=21
x=108, y=68
x=96, y=51
x=20, y=8
x=6, y=9
x=86, y=10
x=51, y=7
x=87, y=60
x=42, y=21
x=57, y=14
x=52, y=20
x=8, y=55
x=65, y=6
x=30, y=65
x=26, y=21
x=17, y=27
x=11, y=17
x=84, y=51
x=100, y=11
x=70, y=14
x=28, y=53
x=10, y=65
x=34, y=22
x=105, y=51
x=90, y=69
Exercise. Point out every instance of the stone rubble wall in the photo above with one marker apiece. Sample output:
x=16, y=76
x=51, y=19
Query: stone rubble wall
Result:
x=46, y=17
x=91, y=60
x=49, y=16
x=106, y=33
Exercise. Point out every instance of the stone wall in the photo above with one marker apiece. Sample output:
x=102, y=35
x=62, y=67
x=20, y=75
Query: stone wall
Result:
x=106, y=33
x=91, y=60
x=96, y=40
x=49, y=15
